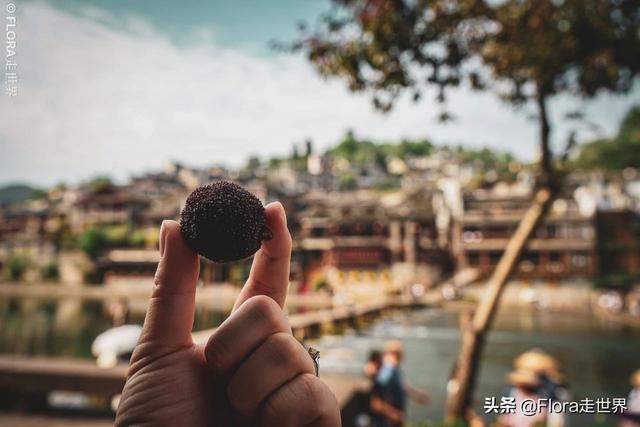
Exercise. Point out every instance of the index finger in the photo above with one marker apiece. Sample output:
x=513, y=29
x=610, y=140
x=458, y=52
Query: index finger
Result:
x=270, y=270
x=169, y=318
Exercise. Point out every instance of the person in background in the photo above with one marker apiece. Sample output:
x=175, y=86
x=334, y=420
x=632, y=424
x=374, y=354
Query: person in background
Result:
x=378, y=410
x=552, y=381
x=631, y=417
x=525, y=385
x=392, y=387
x=374, y=362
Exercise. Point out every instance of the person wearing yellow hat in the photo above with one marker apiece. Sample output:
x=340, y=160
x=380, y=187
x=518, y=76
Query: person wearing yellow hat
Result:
x=525, y=385
x=552, y=382
x=548, y=370
x=536, y=360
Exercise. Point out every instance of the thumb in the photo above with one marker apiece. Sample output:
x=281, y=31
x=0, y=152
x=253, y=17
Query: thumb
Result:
x=270, y=270
x=171, y=309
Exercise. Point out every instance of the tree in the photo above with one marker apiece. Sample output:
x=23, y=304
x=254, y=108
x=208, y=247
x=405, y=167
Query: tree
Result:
x=348, y=147
x=50, y=271
x=525, y=51
x=615, y=154
x=16, y=267
x=100, y=184
x=93, y=242
x=348, y=182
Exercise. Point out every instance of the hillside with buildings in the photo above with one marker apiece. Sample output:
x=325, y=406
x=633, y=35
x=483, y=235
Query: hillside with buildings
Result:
x=362, y=214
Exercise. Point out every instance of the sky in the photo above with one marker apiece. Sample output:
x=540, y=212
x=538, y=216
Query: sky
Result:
x=122, y=87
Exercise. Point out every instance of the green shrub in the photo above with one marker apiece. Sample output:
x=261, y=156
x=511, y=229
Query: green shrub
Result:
x=348, y=182
x=93, y=242
x=50, y=271
x=16, y=267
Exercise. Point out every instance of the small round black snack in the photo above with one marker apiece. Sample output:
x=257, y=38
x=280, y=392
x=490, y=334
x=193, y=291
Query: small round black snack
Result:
x=224, y=222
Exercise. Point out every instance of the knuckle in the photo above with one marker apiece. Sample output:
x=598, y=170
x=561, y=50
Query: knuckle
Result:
x=159, y=278
x=266, y=311
x=303, y=397
x=282, y=348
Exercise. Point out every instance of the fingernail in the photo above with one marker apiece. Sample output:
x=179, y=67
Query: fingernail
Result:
x=162, y=238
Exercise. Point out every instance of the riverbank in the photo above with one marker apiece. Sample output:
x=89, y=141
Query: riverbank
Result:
x=575, y=297
x=569, y=297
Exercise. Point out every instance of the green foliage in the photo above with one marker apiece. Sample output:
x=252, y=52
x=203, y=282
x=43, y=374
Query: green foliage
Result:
x=364, y=152
x=138, y=238
x=93, y=242
x=147, y=237
x=349, y=146
x=408, y=148
x=503, y=163
x=528, y=49
x=348, y=182
x=525, y=51
x=100, y=184
x=50, y=271
x=17, y=193
x=16, y=267
x=617, y=153
x=387, y=184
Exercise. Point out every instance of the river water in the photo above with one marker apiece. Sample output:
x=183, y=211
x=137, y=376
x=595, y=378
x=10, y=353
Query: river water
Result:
x=597, y=356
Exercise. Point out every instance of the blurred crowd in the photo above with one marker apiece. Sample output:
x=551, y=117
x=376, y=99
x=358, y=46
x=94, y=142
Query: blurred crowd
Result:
x=536, y=376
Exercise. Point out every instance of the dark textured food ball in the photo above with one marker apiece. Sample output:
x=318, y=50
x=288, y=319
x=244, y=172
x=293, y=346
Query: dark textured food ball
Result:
x=224, y=222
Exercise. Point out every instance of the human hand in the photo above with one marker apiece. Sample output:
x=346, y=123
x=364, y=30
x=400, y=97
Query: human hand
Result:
x=421, y=397
x=252, y=371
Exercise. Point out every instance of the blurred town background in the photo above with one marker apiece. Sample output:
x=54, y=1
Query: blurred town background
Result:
x=369, y=220
x=393, y=239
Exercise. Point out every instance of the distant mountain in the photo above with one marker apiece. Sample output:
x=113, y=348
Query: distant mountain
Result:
x=15, y=193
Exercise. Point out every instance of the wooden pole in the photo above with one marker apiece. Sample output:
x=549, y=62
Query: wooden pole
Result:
x=473, y=336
